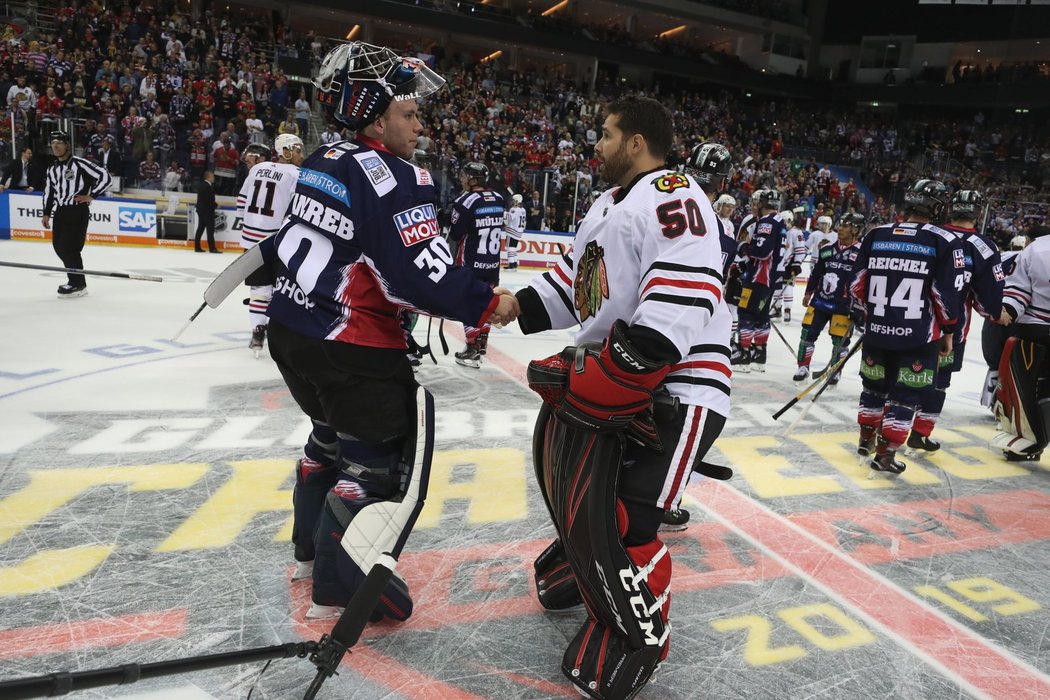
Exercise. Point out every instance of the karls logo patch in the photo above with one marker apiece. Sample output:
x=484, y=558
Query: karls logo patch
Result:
x=136, y=220
x=417, y=224
x=671, y=182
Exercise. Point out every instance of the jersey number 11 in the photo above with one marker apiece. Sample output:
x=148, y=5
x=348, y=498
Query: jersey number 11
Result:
x=267, y=208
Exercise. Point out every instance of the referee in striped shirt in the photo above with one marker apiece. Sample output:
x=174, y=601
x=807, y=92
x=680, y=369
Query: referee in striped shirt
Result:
x=72, y=184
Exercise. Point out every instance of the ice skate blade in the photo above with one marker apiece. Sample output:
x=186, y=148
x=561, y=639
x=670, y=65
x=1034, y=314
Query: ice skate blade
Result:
x=303, y=570
x=323, y=612
x=468, y=363
x=673, y=528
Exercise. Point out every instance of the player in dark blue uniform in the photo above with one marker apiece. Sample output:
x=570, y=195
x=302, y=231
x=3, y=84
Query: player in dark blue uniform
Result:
x=476, y=230
x=906, y=286
x=764, y=250
x=982, y=290
x=359, y=246
x=827, y=296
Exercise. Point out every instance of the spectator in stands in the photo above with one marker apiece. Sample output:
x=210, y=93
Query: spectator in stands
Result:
x=225, y=158
x=331, y=135
x=302, y=113
x=150, y=173
x=107, y=157
x=288, y=126
x=22, y=174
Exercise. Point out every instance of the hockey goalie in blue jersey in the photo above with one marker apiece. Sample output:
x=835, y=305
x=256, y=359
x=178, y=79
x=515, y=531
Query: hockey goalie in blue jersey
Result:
x=907, y=279
x=359, y=247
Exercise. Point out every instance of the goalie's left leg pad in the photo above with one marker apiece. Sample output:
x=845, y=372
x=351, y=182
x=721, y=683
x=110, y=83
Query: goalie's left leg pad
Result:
x=601, y=664
x=336, y=575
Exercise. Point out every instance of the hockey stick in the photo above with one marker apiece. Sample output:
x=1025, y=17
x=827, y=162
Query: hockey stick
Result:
x=834, y=368
x=228, y=280
x=774, y=327
x=441, y=337
x=426, y=348
x=98, y=273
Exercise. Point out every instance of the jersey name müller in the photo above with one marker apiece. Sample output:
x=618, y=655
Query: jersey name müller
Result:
x=263, y=200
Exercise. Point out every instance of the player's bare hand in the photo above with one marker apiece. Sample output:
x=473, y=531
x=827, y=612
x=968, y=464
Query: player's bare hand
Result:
x=83, y=199
x=507, y=310
x=1005, y=319
x=46, y=221
x=501, y=290
x=946, y=345
x=806, y=298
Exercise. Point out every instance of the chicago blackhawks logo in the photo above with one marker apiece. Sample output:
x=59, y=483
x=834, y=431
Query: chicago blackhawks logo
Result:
x=671, y=182
x=592, y=282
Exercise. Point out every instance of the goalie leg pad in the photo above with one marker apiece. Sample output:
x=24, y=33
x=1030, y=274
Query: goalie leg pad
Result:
x=357, y=527
x=1024, y=429
x=556, y=585
x=601, y=664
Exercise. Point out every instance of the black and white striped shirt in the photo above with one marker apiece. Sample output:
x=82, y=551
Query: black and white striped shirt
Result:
x=66, y=179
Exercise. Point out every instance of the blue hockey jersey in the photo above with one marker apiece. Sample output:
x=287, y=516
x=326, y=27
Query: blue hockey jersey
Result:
x=908, y=277
x=477, y=225
x=764, y=250
x=983, y=280
x=360, y=243
x=831, y=276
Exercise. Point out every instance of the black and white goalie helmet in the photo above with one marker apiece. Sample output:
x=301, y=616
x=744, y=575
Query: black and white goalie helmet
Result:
x=358, y=81
x=708, y=163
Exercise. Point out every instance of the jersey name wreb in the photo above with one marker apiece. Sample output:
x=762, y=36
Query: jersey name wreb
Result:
x=900, y=265
x=316, y=214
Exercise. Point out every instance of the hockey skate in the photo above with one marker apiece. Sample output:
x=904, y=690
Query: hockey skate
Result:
x=258, y=338
x=323, y=612
x=741, y=362
x=758, y=358
x=470, y=356
x=787, y=314
x=921, y=443
x=68, y=291
x=303, y=570
x=800, y=374
x=866, y=444
x=885, y=460
x=674, y=520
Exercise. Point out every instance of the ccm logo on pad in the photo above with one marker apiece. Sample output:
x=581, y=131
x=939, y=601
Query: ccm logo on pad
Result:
x=417, y=224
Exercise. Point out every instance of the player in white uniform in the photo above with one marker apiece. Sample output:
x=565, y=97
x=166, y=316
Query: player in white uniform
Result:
x=790, y=266
x=644, y=285
x=820, y=236
x=1022, y=401
x=262, y=204
x=514, y=227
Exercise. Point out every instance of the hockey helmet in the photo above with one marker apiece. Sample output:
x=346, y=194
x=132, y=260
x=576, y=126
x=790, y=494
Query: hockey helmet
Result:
x=966, y=204
x=358, y=81
x=477, y=174
x=708, y=163
x=259, y=150
x=725, y=200
x=1018, y=242
x=517, y=199
x=859, y=220
x=788, y=217
x=926, y=198
x=58, y=136
x=824, y=221
x=766, y=199
x=286, y=141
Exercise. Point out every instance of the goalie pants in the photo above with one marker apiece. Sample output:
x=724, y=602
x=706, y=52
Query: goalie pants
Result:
x=328, y=379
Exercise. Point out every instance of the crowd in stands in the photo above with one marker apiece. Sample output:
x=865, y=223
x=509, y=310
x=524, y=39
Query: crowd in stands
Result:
x=160, y=97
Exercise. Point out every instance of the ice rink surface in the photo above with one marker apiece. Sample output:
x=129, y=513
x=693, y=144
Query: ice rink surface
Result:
x=145, y=502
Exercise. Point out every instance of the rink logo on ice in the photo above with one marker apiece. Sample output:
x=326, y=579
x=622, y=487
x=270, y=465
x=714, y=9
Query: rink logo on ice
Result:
x=136, y=219
x=417, y=224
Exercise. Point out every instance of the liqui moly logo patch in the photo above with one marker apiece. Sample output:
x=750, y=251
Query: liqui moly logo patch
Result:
x=417, y=224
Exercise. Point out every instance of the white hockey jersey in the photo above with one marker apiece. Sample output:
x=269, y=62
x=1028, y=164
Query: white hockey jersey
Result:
x=650, y=254
x=1027, y=291
x=514, y=223
x=794, y=249
x=818, y=238
x=263, y=200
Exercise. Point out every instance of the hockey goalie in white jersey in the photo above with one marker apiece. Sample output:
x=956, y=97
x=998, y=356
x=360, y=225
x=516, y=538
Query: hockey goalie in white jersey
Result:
x=646, y=385
x=262, y=204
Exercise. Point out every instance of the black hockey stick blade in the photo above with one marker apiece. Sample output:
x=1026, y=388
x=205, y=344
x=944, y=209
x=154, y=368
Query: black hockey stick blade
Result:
x=97, y=273
x=441, y=337
x=713, y=471
x=348, y=628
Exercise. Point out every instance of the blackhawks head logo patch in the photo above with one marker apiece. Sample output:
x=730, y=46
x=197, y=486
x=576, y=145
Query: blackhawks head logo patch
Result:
x=592, y=282
x=670, y=182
